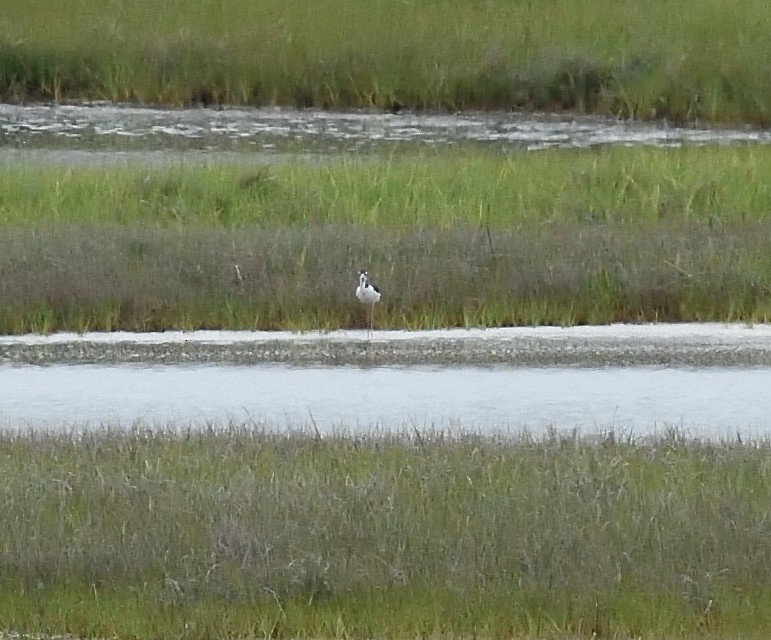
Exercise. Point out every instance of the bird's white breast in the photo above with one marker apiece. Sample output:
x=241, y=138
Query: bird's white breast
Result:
x=367, y=295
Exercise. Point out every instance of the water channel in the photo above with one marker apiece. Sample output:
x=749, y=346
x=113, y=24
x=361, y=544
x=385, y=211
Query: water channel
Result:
x=712, y=402
x=708, y=380
x=105, y=133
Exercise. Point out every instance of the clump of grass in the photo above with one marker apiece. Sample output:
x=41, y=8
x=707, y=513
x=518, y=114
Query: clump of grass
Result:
x=245, y=533
x=706, y=61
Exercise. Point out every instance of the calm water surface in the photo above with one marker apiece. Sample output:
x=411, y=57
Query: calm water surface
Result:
x=705, y=402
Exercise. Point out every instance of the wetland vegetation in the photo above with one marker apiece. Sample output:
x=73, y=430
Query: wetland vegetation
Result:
x=246, y=534
x=701, y=60
x=465, y=238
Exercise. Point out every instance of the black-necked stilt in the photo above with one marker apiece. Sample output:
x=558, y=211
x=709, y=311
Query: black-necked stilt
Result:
x=368, y=294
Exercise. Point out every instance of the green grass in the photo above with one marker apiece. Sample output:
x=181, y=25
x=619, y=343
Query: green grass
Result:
x=246, y=534
x=643, y=185
x=707, y=60
x=461, y=239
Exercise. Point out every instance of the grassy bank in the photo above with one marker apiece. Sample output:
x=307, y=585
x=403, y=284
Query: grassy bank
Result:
x=105, y=278
x=706, y=60
x=243, y=534
x=465, y=239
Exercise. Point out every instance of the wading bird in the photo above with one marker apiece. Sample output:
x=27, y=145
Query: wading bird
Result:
x=368, y=294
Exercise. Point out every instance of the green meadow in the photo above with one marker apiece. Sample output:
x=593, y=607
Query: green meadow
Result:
x=461, y=238
x=697, y=60
x=245, y=534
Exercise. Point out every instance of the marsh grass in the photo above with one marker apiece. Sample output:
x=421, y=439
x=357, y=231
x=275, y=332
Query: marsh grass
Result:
x=704, y=61
x=243, y=533
x=461, y=239
x=439, y=188
x=104, y=277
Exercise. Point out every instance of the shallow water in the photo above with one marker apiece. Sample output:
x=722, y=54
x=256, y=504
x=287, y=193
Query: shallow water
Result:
x=123, y=134
x=714, y=402
x=695, y=345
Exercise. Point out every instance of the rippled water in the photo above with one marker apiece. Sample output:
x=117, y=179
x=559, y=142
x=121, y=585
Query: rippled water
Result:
x=158, y=135
x=711, y=402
